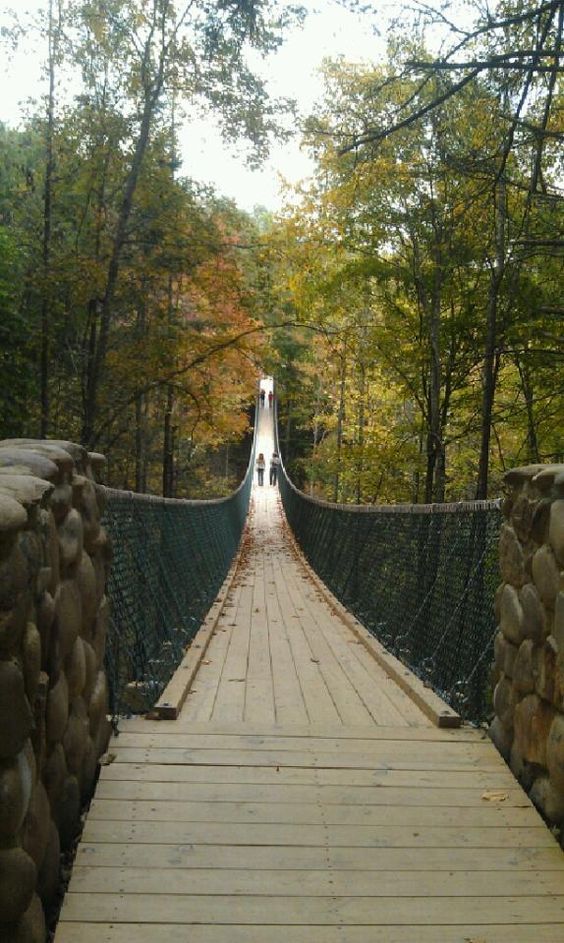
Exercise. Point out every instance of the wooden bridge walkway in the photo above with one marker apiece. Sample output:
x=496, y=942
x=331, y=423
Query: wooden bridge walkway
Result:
x=302, y=797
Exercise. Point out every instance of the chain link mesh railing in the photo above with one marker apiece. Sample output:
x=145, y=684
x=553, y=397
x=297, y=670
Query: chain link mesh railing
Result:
x=170, y=558
x=421, y=578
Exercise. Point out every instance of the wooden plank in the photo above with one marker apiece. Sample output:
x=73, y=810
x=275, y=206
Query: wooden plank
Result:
x=414, y=716
x=351, y=707
x=430, y=703
x=212, y=833
x=312, y=813
x=387, y=755
x=414, y=911
x=370, y=690
x=176, y=933
x=174, y=695
x=259, y=693
x=462, y=734
x=438, y=711
x=279, y=857
x=230, y=699
x=363, y=670
x=319, y=703
x=289, y=703
x=330, y=749
x=432, y=778
x=200, y=699
x=296, y=794
x=366, y=747
x=299, y=883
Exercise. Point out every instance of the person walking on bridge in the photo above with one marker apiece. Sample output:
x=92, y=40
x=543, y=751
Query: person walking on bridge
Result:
x=261, y=397
x=270, y=398
x=261, y=465
x=274, y=463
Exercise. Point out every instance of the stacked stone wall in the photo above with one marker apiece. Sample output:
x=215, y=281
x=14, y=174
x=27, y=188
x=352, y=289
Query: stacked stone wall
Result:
x=528, y=727
x=54, y=555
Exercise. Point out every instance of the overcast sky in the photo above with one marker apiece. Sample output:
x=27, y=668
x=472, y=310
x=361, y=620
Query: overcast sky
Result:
x=293, y=71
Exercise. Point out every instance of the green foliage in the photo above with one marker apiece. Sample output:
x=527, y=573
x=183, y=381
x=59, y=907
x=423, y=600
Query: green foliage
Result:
x=419, y=270
x=137, y=295
x=17, y=369
x=417, y=255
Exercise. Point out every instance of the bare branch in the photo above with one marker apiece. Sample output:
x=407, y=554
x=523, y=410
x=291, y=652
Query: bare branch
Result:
x=373, y=137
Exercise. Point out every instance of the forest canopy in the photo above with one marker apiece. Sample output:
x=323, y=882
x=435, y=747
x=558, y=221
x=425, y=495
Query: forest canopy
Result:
x=429, y=244
x=130, y=313
x=407, y=299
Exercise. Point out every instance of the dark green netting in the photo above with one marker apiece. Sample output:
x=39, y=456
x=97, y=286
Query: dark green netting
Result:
x=170, y=558
x=421, y=578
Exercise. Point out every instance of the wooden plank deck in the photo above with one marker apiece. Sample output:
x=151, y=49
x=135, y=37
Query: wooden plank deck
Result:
x=302, y=797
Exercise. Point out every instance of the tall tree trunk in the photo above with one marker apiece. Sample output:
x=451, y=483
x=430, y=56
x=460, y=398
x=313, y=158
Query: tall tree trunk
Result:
x=168, y=445
x=93, y=307
x=360, y=432
x=528, y=394
x=152, y=95
x=340, y=420
x=140, y=445
x=417, y=474
x=430, y=315
x=440, y=473
x=288, y=431
x=435, y=448
x=491, y=358
x=168, y=436
x=315, y=436
x=47, y=228
x=140, y=416
x=169, y=471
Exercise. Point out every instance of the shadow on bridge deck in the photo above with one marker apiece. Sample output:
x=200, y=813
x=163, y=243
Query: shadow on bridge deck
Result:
x=302, y=797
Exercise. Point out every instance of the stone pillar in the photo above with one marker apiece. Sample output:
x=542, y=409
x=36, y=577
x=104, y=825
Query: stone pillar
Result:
x=528, y=727
x=53, y=692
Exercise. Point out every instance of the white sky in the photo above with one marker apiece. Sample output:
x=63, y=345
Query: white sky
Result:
x=292, y=72
x=329, y=31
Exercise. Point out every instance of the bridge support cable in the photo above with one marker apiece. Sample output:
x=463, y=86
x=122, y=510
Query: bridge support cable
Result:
x=422, y=578
x=169, y=559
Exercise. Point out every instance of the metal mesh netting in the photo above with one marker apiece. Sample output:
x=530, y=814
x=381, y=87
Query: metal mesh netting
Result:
x=170, y=558
x=421, y=578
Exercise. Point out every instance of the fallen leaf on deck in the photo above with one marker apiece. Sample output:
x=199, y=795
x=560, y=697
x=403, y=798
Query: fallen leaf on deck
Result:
x=107, y=758
x=494, y=795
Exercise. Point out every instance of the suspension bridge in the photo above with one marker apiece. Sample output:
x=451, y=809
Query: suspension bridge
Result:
x=295, y=782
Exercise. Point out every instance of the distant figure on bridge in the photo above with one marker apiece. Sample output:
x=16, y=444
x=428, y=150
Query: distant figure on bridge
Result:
x=261, y=397
x=270, y=398
x=261, y=465
x=274, y=463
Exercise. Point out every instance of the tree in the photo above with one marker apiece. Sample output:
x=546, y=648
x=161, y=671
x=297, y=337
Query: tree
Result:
x=193, y=50
x=54, y=18
x=518, y=49
x=143, y=283
x=421, y=232
x=16, y=363
x=515, y=51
